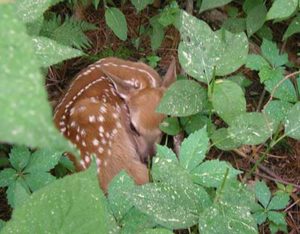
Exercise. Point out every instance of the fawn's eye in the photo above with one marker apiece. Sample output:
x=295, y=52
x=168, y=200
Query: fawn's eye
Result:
x=132, y=127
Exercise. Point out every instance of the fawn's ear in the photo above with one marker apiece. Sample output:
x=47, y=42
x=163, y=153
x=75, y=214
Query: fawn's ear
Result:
x=128, y=76
x=170, y=76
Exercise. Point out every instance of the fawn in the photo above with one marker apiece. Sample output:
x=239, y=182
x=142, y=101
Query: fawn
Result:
x=109, y=111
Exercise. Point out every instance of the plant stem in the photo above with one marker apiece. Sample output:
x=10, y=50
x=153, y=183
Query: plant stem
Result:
x=222, y=186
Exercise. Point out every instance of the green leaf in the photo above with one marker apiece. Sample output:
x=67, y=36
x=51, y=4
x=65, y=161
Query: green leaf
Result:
x=223, y=140
x=21, y=195
x=235, y=25
x=265, y=32
x=171, y=207
x=26, y=116
x=241, y=80
x=2, y=224
x=119, y=203
x=277, y=110
x=157, y=36
x=156, y=231
x=141, y=4
x=294, y=27
x=55, y=208
x=49, y=52
x=251, y=128
x=292, y=122
x=263, y=193
x=165, y=153
x=19, y=157
x=169, y=14
x=30, y=10
x=282, y=9
x=194, y=122
x=38, y=179
x=277, y=217
x=250, y=4
x=256, y=62
x=268, y=73
x=270, y=51
x=284, y=90
x=170, y=126
x=220, y=218
x=211, y=173
x=43, y=160
x=135, y=222
x=260, y=216
x=202, y=51
x=256, y=18
x=116, y=20
x=279, y=201
x=209, y=4
x=7, y=176
x=183, y=98
x=228, y=100
x=193, y=149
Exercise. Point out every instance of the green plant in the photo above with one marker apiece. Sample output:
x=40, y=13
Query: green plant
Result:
x=29, y=172
x=268, y=209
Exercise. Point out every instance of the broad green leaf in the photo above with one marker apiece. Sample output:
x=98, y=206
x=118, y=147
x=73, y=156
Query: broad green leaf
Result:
x=228, y=100
x=30, y=10
x=277, y=217
x=270, y=51
x=156, y=231
x=211, y=173
x=38, y=179
x=26, y=116
x=284, y=90
x=116, y=20
x=193, y=149
x=279, y=201
x=251, y=128
x=135, y=222
x=2, y=224
x=268, y=73
x=256, y=62
x=165, y=153
x=7, y=176
x=49, y=52
x=19, y=157
x=209, y=4
x=221, y=218
x=282, y=9
x=294, y=27
x=263, y=193
x=170, y=126
x=235, y=25
x=119, y=203
x=202, y=51
x=141, y=4
x=277, y=110
x=223, y=140
x=256, y=18
x=171, y=207
x=55, y=208
x=292, y=122
x=43, y=160
x=183, y=98
x=194, y=122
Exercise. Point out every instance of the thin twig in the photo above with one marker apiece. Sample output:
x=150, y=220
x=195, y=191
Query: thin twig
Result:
x=278, y=84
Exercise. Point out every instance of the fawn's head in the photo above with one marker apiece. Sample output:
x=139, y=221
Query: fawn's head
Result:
x=142, y=89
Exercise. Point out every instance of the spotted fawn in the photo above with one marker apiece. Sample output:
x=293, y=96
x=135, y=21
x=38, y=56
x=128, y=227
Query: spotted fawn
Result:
x=109, y=111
